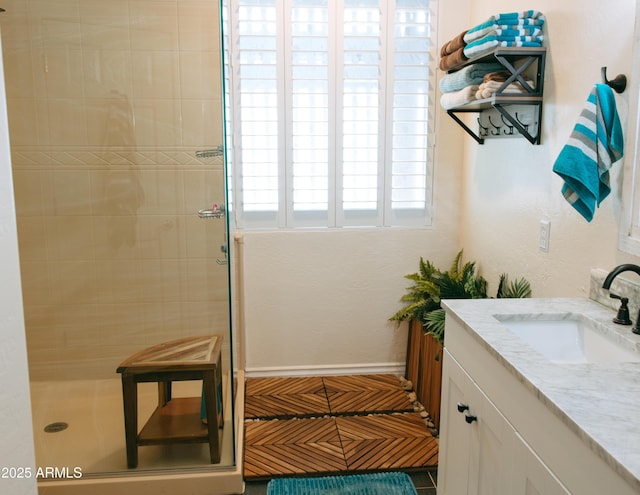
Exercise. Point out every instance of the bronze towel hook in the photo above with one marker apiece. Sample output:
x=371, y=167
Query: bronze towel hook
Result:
x=484, y=131
x=496, y=132
x=511, y=128
x=618, y=84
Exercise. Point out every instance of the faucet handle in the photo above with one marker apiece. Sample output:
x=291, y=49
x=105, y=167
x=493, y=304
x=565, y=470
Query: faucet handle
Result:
x=622, y=318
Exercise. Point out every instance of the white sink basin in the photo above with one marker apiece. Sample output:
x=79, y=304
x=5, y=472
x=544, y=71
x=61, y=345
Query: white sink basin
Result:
x=568, y=339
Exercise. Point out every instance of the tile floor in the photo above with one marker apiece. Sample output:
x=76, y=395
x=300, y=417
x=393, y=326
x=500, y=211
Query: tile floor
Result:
x=424, y=481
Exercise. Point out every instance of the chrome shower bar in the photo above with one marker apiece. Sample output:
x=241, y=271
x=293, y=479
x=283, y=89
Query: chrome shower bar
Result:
x=219, y=151
x=217, y=211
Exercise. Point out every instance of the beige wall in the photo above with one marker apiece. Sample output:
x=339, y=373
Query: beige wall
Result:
x=108, y=102
x=509, y=186
x=320, y=300
x=317, y=302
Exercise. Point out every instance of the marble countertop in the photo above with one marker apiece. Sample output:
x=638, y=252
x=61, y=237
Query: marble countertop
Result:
x=574, y=392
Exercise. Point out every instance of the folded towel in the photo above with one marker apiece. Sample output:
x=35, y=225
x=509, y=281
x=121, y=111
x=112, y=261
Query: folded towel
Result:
x=526, y=27
x=453, y=60
x=453, y=45
x=457, y=98
x=471, y=74
x=527, y=14
x=594, y=145
x=500, y=37
x=504, y=76
x=514, y=31
x=501, y=75
x=489, y=88
x=486, y=45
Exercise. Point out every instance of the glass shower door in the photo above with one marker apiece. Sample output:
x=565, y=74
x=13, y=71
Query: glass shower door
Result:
x=116, y=126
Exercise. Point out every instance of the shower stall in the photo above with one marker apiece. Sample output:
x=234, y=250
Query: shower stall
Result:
x=116, y=122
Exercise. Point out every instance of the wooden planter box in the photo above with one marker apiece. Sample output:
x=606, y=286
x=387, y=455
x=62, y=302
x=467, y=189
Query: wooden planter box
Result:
x=424, y=369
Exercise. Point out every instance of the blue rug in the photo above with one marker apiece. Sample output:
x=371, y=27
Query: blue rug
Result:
x=359, y=484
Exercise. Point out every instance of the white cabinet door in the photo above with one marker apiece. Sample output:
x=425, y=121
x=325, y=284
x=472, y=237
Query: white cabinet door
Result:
x=455, y=433
x=476, y=441
x=532, y=476
x=492, y=443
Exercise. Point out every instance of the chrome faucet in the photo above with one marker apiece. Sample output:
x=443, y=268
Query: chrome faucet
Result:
x=623, y=313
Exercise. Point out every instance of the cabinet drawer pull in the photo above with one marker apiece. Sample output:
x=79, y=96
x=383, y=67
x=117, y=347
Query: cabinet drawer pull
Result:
x=470, y=418
x=462, y=407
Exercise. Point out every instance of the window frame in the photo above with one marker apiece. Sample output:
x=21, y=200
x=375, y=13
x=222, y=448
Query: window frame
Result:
x=285, y=217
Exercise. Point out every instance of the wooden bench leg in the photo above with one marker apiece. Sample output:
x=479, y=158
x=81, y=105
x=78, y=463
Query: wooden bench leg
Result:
x=211, y=403
x=130, y=401
x=164, y=393
x=219, y=396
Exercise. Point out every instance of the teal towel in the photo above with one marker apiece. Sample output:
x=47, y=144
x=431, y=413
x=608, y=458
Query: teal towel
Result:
x=531, y=27
x=489, y=43
x=594, y=145
x=527, y=14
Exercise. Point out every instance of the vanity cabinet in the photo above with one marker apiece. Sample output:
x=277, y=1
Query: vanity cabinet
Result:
x=531, y=476
x=480, y=452
x=497, y=437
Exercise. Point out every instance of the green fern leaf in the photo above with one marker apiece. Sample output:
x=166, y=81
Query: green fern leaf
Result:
x=519, y=288
x=434, y=324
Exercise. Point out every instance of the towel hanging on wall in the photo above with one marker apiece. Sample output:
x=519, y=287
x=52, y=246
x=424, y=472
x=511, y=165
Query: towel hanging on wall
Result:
x=594, y=145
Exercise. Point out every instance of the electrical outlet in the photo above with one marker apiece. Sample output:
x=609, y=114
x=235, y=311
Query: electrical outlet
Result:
x=545, y=231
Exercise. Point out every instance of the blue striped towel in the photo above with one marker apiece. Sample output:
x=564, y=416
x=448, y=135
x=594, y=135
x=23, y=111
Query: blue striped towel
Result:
x=594, y=145
x=531, y=27
x=486, y=45
x=527, y=14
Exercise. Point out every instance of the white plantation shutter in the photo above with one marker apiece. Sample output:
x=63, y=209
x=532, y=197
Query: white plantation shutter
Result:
x=307, y=67
x=362, y=88
x=331, y=112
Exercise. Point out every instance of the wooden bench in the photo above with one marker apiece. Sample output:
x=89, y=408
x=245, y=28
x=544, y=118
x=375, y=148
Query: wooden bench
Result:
x=175, y=420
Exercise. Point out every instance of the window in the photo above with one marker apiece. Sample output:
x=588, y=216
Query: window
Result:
x=330, y=112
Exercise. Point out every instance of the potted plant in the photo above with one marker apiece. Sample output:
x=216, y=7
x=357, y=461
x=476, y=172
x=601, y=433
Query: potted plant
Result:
x=426, y=319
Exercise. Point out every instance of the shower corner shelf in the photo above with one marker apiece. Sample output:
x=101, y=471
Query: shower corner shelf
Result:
x=516, y=60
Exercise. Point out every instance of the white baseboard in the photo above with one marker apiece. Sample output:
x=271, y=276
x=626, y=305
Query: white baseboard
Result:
x=324, y=370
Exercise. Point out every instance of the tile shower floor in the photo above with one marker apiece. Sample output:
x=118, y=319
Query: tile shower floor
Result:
x=94, y=438
x=332, y=425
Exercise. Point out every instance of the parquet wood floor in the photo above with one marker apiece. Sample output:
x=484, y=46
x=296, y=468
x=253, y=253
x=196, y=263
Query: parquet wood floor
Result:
x=292, y=447
x=287, y=397
x=330, y=425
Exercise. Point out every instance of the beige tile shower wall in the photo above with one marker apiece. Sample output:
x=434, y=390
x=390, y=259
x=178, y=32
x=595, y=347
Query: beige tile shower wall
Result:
x=108, y=102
